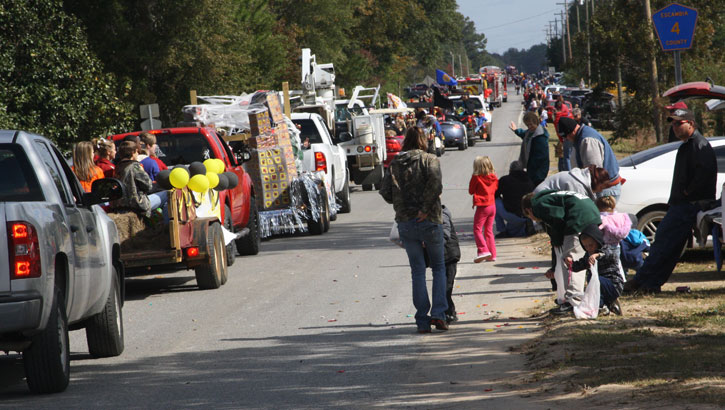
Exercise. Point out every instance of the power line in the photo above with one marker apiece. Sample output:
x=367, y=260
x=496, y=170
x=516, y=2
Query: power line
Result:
x=518, y=21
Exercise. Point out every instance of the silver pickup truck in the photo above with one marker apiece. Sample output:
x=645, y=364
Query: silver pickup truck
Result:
x=60, y=267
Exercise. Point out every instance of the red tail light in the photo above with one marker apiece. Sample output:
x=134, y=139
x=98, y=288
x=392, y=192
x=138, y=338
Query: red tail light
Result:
x=23, y=251
x=368, y=148
x=320, y=162
x=192, y=252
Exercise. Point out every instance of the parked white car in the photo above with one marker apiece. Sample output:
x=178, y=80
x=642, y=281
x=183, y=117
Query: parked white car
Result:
x=649, y=178
x=321, y=154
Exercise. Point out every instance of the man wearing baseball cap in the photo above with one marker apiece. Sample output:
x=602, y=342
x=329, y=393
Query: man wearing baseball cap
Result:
x=591, y=148
x=679, y=105
x=693, y=187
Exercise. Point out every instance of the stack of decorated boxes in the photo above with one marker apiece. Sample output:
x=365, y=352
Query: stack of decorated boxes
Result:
x=272, y=166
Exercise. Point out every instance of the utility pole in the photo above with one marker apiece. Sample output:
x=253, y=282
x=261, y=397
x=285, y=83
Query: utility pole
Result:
x=563, y=37
x=453, y=64
x=460, y=65
x=568, y=31
x=589, y=45
x=578, y=28
x=656, y=118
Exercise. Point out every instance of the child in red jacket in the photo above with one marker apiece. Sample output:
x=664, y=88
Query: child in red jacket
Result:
x=483, y=186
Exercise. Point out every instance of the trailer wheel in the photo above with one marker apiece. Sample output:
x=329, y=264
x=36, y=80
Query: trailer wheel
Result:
x=231, y=251
x=367, y=187
x=249, y=244
x=318, y=227
x=104, y=333
x=47, y=360
x=210, y=275
x=332, y=217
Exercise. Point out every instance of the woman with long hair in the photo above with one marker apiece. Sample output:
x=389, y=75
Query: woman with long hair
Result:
x=83, y=165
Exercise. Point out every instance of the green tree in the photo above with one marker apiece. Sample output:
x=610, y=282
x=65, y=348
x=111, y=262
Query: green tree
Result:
x=52, y=83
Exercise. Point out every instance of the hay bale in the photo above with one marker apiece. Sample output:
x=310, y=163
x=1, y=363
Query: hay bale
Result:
x=136, y=234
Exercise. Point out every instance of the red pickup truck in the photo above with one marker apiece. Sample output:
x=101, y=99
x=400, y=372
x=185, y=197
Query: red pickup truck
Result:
x=184, y=145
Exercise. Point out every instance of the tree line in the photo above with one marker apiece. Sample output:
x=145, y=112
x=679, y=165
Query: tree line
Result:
x=74, y=70
x=623, y=48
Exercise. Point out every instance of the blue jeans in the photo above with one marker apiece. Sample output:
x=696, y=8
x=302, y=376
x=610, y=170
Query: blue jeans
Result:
x=565, y=162
x=159, y=200
x=414, y=234
x=614, y=191
x=508, y=222
x=608, y=292
x=671, y=236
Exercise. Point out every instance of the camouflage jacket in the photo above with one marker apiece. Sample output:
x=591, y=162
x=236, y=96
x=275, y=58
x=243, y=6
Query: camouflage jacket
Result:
x=137, y=184
x=414, y=184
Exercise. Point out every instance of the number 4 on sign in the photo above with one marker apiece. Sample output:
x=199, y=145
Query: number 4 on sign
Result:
x=676, y=28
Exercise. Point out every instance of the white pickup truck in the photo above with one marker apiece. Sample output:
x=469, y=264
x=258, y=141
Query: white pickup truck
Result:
x=321, y=154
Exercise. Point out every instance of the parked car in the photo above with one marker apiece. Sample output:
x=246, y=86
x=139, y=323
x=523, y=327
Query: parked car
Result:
x=576, y=96
x=599, y=109
x=62, y=261
x=648, y=177
x=455, y=133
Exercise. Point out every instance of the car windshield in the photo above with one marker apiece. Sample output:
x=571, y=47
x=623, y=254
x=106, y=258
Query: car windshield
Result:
x=342, y=113
x=648, y=154
x=458, y=103
x=19, y=183
x=183, y=148
x=308, y=130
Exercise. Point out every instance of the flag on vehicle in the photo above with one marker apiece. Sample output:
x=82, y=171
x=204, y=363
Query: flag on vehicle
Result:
x=444, y=79
x=395, y=102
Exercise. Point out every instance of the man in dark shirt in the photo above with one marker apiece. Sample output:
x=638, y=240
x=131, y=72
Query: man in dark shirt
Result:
x=693, y=186
x=510, y=221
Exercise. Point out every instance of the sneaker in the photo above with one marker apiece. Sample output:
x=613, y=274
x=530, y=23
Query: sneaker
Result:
x=616, y=308
x=631, y=286
x=439, y=324
x=450, y=318
x=563, y=309
x=482, y=257
x=604, y=311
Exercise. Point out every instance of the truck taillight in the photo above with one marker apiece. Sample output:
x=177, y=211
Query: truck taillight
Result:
x=320, y=162
x=23, y=251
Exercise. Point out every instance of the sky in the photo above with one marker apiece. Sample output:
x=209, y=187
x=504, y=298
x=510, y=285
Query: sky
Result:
x=511, y=23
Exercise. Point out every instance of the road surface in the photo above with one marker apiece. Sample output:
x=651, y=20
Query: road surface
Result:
x=320, y=322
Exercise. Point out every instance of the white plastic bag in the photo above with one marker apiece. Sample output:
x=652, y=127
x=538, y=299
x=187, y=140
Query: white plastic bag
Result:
x=589, y=306
x=559, y=273
x=394, y=236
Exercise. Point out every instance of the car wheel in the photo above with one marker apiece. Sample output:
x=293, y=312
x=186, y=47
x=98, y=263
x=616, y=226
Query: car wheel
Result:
x=489, y=134
x=317, y=227
x=648, y=223
x=47, y=360
x=104, y=332
x=344, y=198
x=231, y=249
x=472, y=142
x=333, y=217
x=210, y=275
x=249, y=244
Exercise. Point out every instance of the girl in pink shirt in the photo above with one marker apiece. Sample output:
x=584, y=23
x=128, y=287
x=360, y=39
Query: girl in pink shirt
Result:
x=483, y=186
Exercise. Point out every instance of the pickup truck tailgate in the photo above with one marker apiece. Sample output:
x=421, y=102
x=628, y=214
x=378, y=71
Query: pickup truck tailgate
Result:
x=4, y=264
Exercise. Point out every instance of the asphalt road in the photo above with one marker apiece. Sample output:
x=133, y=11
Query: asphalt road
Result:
x=318, y=321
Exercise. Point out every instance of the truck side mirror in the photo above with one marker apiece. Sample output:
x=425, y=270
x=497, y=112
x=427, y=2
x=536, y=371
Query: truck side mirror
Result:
x=345, y=137
x=104, y=190
x=242, y=155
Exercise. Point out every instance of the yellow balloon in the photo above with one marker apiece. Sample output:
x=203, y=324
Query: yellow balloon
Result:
x=220, y=166
x=199, y=183
x=213, y=178
x=179, y=177
x=210, y=164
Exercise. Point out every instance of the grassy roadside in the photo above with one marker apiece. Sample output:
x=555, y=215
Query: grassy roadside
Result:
x=666, y=351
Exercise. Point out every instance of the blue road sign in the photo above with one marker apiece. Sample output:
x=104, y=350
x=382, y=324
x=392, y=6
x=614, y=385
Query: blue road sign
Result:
x=675, y=26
